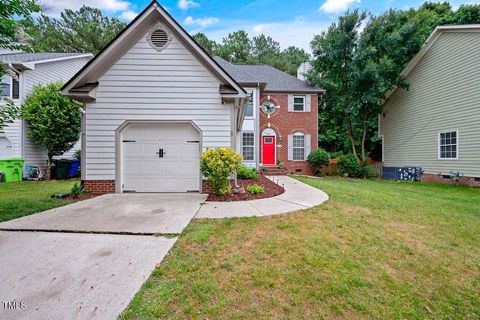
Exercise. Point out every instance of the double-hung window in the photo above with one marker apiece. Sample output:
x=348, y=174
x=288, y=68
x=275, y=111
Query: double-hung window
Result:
x=248, y=146
x=298, y=103
x=448, y=145
x=298, y=146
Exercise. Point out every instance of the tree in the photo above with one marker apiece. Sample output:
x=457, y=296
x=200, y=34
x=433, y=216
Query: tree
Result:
x=209, y=45
x=264, y=48
x=53, y=120
x=357, y=68
x=293, y=58
x=236, y=47
x=8, y=25
x=86, y=30
x=335, y=69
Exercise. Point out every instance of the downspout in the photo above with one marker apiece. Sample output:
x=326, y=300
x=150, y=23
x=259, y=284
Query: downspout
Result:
x=236, y=106
x=82, y=146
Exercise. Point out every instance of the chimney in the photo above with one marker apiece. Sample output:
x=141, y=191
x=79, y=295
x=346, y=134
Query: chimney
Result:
x=303, y=69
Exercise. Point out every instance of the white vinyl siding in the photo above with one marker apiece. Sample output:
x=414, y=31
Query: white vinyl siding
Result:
x=45, y=73
x=145, y=84
x=444, y=94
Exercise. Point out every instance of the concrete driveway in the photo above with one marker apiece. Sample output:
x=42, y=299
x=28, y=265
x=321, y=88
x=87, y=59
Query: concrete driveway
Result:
x=54, y=275
x=142, y=214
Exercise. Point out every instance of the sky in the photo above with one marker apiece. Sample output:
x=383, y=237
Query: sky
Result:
x=290, y=22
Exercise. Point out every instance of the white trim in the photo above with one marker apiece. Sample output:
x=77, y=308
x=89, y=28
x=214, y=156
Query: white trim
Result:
x=274, y=149
x=31, y=64
x=269, y=132
x=304, y=98
x=253, y=146
x=457, y=145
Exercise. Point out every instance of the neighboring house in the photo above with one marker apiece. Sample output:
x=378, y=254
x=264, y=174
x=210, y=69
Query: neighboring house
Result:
x=436, y=123
x=281, y=120
x=154, y=100
x=26, y=70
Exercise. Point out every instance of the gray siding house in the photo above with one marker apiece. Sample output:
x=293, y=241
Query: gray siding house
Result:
x=436, y=123
x=26, y=70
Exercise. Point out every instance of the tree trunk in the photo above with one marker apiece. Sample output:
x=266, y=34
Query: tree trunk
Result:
x=364, y=134
x=352, y=139
x=48, y=173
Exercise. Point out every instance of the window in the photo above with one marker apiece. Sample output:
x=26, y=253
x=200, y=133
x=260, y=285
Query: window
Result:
x=448, y=145
x=298, y=103
x=298, y=146
x=5, y=86
x=249, y=111
x=9, y=87
x=248, y=146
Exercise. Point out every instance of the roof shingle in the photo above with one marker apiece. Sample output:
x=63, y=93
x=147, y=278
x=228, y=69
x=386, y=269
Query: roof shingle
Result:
x=274, y=79
x=20, y=57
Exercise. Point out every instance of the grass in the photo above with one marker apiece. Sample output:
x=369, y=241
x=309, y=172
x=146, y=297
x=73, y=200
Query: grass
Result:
x=376, y=249
x=18, y=199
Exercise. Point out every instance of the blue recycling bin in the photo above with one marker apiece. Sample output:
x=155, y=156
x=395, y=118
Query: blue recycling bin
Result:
x=73, y=169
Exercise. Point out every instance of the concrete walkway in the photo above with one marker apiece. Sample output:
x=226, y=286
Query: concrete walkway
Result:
x=297, y=196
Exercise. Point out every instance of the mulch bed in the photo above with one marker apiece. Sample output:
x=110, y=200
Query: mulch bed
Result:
x=271, y=190
x=83, y=196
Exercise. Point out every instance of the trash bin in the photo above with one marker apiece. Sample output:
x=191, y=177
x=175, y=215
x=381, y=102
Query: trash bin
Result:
x=60, y=169
x=12, y=169
x=74, y=168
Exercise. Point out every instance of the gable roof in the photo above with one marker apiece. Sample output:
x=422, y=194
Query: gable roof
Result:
x=90, y=73
x=428, y=44
x=28, y=59
x=273, y=79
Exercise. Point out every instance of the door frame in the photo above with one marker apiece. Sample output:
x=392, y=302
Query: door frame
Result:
x=274, y=150
x=119, y=149
x=267, y=132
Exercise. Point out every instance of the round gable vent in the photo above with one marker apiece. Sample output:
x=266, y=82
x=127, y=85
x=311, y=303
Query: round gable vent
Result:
x=158, y=39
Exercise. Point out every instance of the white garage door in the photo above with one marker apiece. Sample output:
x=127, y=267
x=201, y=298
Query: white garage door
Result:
x=160, y=158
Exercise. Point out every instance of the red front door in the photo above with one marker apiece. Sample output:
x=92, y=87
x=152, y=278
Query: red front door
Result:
x=268, y=150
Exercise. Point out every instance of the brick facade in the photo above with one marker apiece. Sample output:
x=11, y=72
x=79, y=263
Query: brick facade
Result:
x=465, y=181
x=285, y=123
x=99, y=186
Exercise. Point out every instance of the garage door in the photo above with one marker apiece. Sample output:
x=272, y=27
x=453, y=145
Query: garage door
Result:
x=160, y=158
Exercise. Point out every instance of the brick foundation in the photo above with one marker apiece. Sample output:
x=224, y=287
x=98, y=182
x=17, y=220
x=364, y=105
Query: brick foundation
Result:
x=99, y=186
x=465, y=181
x=208, y=188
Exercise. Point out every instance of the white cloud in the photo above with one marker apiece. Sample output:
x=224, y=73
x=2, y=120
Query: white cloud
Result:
x=55, y=6
x=336, y=6
x=128, y=15
x=187, y=4
x=200, y=22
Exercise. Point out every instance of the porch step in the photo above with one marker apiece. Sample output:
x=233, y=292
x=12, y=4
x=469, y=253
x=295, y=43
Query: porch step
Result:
x=273, y=171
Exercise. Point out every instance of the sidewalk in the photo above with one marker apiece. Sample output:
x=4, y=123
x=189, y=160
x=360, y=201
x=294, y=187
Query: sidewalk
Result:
x=297, y=196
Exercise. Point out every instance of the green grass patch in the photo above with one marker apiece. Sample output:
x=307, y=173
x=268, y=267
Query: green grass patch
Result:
x=18, y=199
x=376, y=249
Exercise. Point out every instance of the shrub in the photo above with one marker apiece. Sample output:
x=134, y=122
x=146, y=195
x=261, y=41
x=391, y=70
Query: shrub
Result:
x=217, y=165
x=255, y=188
x=318, y=158
x=335, y=154
x=245, y=172
x=76, y=190
x=349, y=165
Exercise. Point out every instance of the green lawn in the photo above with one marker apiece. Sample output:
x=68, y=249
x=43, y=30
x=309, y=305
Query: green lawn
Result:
x=18, y=199
x=377, y=249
